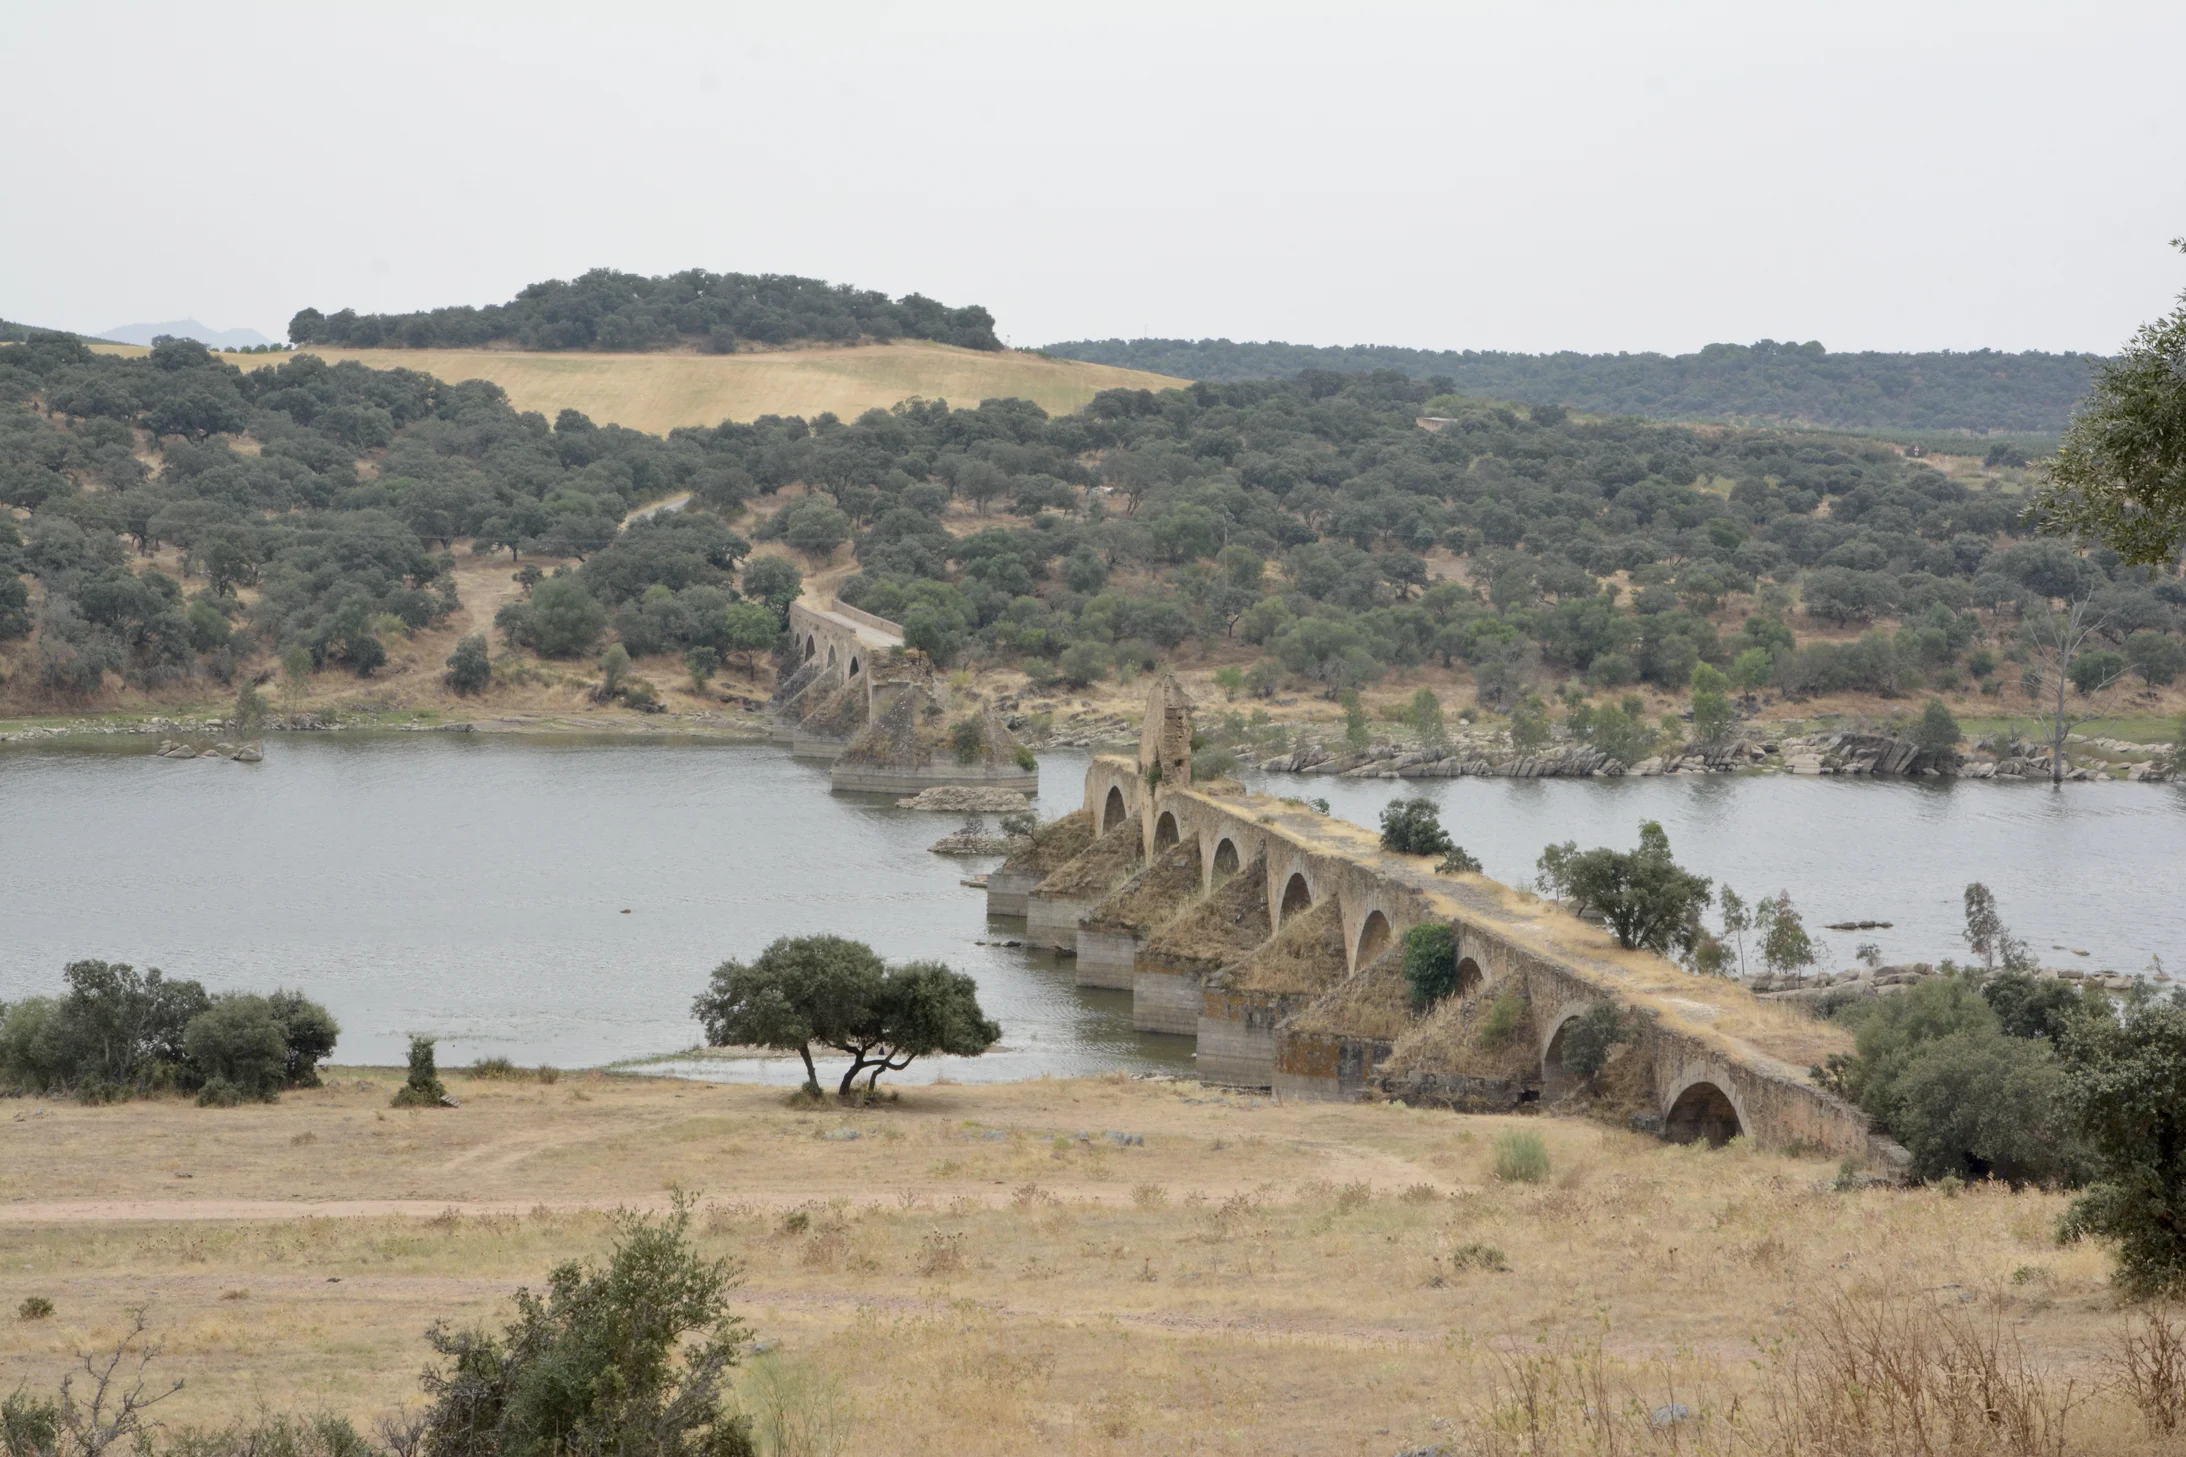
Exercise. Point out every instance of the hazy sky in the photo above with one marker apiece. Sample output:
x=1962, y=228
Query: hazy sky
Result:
x=1517, y=176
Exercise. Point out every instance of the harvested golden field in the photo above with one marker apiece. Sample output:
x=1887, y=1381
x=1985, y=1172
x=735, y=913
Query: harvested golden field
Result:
x=658, y=392
x=989, y=1270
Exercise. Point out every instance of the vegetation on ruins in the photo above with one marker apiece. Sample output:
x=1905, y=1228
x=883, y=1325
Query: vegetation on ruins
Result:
x=607, y=310
x=836, y=993
x=1647, y=900
x=119, y=1033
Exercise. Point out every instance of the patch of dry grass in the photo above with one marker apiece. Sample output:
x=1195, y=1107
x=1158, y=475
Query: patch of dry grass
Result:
x=984, y=1270
x=659, y=392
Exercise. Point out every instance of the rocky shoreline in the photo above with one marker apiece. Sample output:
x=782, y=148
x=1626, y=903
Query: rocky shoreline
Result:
x=1838, y=752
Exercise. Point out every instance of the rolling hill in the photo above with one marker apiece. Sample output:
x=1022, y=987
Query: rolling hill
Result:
x=659, y=392
x=1763, y=383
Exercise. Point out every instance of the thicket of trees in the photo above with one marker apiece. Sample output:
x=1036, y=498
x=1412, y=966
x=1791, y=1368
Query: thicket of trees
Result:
x=119, y=1033
x=1292, y=517
x=604, y=309
x=1766, y=381
x=336, y=519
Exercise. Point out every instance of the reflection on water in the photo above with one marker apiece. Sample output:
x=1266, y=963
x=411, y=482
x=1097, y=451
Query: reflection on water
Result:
x=564, y=903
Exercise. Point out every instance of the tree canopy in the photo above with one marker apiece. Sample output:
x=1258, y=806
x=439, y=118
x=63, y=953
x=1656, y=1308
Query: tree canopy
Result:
x=836, y=993
x=1982, y=389
x=608, y=310
x=1646, y=898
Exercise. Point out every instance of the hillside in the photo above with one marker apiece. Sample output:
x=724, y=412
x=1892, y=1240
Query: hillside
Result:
x=1765, y=382
x=660, y=392
x=176, y=520
x=717, y=313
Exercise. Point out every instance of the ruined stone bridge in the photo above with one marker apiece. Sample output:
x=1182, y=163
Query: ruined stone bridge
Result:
x=1274, y=935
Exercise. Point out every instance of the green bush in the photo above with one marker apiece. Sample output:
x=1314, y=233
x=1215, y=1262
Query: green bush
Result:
x=1430, y=963
x=1026, y=760
x=1520, y=1157
x=1414, y=827
x=470, y=666
x=629, y=1359
x=2126, y=1096
x=34, y=1307
x=1935, y=1067
x=1505, y=1013
x=1455, y=861
x=967, y=740
x=239, y=1047
x=422, y=1089
x=1591, y=1037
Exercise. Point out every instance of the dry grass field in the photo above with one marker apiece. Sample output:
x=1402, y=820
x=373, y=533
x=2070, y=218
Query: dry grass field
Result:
x=658, y=392
x=987, y=1270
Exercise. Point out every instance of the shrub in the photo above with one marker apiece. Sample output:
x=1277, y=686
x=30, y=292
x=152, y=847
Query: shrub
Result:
x=1455, y=861
x=422, y=1089
x=1937, y=733
x=631, y=1358
x=1430, y=963
x=1591, y=1037
x=240, y=1048
x=967, y=740
x=34, y=1307
x=2127, y=1095
x=1414, y=827
x=1505, y=1014
x=1520, y=1157
x=1026, y=760
x=470, y=666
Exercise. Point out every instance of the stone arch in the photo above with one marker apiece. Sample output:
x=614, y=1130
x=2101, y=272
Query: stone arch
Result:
x=1702, y=1111
x=1557, y=1081
x=1469, y=976
x=1374, y=938
x=1114, y=810
x=1165, y=831
x=1297, y=896
x=1225, y=859
x=812, y=646
x=853, y=665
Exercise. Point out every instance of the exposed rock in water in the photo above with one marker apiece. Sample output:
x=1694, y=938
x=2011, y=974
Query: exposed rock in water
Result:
x=964, y=842
x=967, y=799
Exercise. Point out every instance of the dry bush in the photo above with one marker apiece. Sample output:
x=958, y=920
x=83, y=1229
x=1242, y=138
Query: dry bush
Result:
x=826, y=1250
x=1149, y=1196
x=1419, y=1194
x=796, y=1410
x=941, y=1254
x=1355, y=1195
x=2151, y=1366
x=1879, y=1376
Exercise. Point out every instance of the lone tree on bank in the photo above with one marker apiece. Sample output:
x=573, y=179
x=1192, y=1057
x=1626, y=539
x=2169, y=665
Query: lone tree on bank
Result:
x=1648, y=900
x=834, y=992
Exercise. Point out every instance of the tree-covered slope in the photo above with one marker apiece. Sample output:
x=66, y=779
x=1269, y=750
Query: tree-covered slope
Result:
x=1763, y=382
x=612, y=311
x=174, y=518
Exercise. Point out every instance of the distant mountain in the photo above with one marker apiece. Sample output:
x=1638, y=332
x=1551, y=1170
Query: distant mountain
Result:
x=186, y=329
x=1766, y=382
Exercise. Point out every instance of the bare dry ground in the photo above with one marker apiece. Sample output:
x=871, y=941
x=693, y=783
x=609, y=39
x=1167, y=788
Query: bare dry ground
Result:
x=988, y=1270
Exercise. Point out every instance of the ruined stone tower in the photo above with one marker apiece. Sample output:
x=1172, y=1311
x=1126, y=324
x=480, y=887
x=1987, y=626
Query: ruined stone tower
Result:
x=1165, y=738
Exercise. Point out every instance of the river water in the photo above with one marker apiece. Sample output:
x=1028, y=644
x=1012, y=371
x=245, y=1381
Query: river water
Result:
x=563, y=902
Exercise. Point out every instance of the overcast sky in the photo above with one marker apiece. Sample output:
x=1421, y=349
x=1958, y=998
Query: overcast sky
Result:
x=1512, y=176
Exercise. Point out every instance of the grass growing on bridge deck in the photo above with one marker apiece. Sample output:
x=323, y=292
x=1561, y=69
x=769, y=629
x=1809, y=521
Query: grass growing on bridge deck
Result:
x=1714, y=1010
x=972, y=1277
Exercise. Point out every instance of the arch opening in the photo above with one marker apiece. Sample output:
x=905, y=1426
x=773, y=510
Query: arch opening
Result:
x=1373, y=938
x=1225, y=861
x=831, y=655
x=1557, y=1081
x=1165, y=831
x=1469, y=976
x=1297, y=896
x=853, y=667
x=812, y=646
x=1702, y=1112
x=1113, y=810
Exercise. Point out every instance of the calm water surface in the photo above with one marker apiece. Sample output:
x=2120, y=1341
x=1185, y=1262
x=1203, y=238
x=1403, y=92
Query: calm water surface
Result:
x=475, y=888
